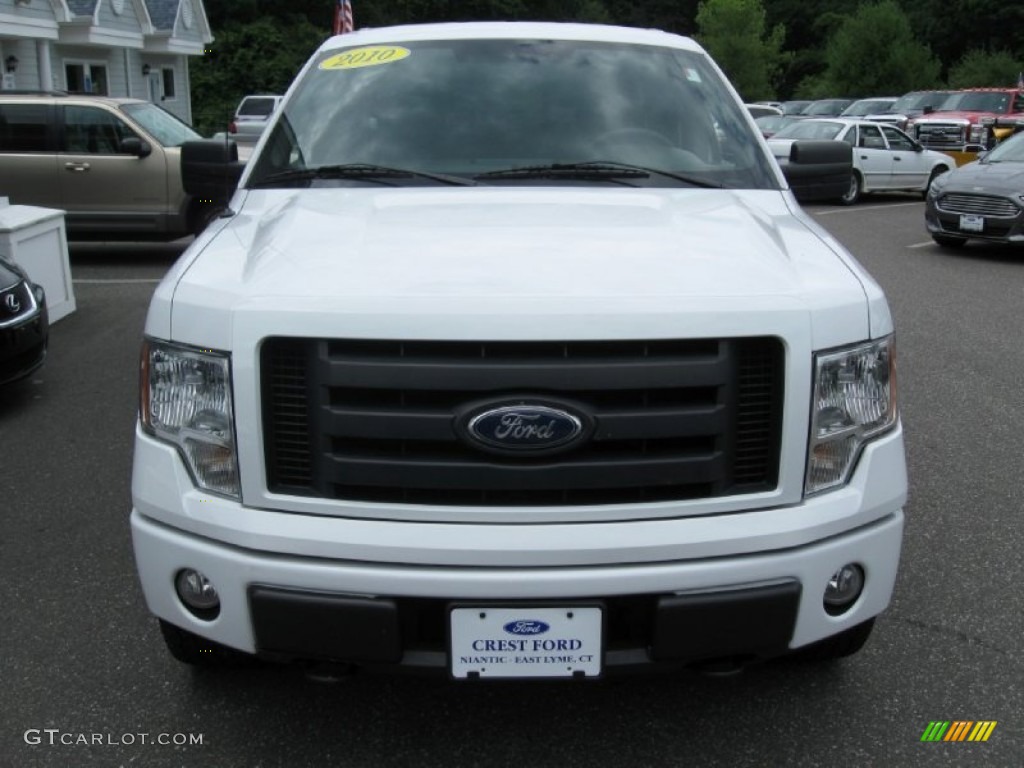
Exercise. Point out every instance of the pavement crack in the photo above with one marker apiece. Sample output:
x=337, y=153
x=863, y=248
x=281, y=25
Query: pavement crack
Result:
x=1011, y=655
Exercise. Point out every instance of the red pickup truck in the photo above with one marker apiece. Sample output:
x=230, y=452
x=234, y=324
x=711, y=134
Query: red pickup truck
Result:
x=967, y=123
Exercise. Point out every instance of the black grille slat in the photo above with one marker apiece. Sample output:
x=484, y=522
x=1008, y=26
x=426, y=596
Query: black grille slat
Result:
x=481, y=476
x=376, y=420
x=401, y=424
x=484, y=376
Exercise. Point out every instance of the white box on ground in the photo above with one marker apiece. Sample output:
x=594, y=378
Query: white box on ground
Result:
x=35, y=239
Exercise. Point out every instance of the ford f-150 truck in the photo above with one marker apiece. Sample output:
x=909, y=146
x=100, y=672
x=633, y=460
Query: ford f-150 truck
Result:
x=514, y=355
x=967, y=122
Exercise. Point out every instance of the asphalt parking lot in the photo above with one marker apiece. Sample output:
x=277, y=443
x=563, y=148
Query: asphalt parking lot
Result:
x=85, y=679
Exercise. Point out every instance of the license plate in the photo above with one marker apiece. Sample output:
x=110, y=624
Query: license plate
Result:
x=523, y=641
x=972, y=223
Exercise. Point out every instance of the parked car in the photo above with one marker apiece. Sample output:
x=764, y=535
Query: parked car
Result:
x=884, y=158
x=825, y=107
x=771, y=124
x=112, y=164
x=983, y=200
x=910, y=105
x=863, y=107
x=794, y=107
x=252, y=116
x=965, y=123
x=762, y=110
x=24, y=323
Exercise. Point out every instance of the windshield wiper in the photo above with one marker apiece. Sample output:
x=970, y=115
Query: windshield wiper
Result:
x=359, y=171
x=593, y=169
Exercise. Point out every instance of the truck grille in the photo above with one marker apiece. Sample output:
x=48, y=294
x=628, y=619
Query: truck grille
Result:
x=941, y=136
x=983, y=205
x=375, y=420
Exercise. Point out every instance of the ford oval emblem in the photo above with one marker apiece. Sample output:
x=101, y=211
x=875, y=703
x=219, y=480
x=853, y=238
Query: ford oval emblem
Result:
x=526, y=627
x=525, y=428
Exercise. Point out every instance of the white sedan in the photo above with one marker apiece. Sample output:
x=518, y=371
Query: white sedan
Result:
x=884, y=157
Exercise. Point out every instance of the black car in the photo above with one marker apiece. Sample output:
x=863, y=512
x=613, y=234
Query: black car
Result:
x=24, y=323
x=982, y=200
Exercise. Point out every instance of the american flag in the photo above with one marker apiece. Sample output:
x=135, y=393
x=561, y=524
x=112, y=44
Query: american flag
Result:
x=343, y=22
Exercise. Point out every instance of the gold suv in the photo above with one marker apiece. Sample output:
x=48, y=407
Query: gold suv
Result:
x=112, y=164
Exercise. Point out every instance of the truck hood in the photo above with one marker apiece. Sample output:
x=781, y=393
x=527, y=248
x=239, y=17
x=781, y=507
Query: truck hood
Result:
x=945, y=117
x=409, y=256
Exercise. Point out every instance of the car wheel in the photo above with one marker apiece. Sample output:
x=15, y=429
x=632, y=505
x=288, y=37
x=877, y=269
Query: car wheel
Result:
x=950, y=241
x=852, y=194
x=190, y=648
x=936, y=172
x=846, y=643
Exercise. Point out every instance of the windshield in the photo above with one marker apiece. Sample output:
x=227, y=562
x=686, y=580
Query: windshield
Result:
x=257, y=106
x=804, y=129
x=867, y=107
x=1009, y=151
x=830, y=107
x=919, y=100
x=470, y=107
x=977, y=101
x=160, y=124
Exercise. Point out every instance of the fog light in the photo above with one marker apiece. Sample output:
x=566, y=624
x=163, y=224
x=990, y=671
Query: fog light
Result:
x=843, y=589
x=197, y=593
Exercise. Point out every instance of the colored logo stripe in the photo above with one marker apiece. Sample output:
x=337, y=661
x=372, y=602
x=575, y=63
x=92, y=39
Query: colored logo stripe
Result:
x=958, y=730
x=982, y=730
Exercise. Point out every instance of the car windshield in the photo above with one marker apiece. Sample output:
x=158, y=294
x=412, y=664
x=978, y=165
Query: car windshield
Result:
x=805, y=129
x=160, y=124
x=472, y=107
x=1009, y=151
x=256, y=106
x=977, y=101
x=867, y=107
x=919, y=100
x=825, y=108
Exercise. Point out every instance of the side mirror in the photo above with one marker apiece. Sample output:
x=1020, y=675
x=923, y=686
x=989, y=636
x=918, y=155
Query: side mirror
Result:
x=819, y=170
x=210, y=170
x=135, y=146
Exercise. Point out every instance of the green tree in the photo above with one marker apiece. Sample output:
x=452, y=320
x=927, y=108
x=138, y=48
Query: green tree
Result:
x=733, y=32
x=874, y=53
x=979, y=69
x=256, y=57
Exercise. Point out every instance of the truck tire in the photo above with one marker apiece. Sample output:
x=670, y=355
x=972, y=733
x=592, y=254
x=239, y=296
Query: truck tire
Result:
x=189, y=648
x=838, y=646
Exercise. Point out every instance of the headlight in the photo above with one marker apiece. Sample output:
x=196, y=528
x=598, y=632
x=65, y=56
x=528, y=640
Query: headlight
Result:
x=185, y=399
x=854, y=400
x=935, y=188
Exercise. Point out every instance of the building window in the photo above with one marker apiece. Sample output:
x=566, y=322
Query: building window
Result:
x=168, y=74
x=86, y=78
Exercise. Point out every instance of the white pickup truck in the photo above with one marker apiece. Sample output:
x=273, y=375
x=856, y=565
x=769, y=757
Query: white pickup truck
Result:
x=513, y=355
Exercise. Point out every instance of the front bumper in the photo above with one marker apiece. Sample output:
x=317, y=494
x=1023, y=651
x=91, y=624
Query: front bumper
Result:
x=295, y=586
x=997, y=229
